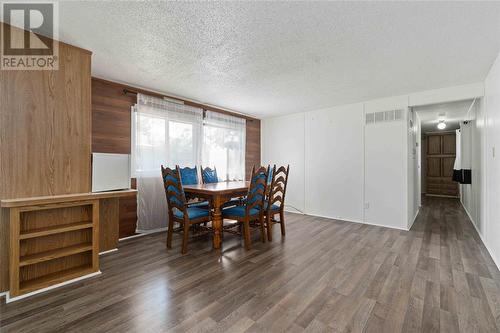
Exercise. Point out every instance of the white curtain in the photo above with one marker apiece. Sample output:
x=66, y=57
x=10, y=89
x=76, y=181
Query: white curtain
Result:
x=224, y=139
x=165, y=133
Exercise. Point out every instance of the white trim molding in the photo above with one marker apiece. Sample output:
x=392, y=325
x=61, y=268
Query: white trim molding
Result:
x=13, y=299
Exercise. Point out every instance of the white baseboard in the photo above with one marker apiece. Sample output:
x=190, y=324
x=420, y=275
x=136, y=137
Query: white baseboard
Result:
x=291, y=209
x=355, y=221
x=108, y=251
x=495, y=260
x=142, y=233
x=13, y=299
x=414, y=218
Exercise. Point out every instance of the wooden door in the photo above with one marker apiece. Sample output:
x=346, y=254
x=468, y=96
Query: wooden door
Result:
x=441, y=150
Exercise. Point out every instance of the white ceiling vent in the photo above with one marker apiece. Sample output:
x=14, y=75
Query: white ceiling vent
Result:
x=383, y=116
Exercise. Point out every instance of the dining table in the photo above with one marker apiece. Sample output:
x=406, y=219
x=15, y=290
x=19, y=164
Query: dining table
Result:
x=218, y=194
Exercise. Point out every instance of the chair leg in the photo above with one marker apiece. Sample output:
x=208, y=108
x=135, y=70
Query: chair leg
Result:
x=282, y=222
x=170, y=232
x=185, y=238
x=269, y=228
x=246, y=234
x=262, y=229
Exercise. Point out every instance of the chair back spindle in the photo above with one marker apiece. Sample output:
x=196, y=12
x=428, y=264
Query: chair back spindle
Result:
x=174, y=192
x=278, y=186
x=257, y=190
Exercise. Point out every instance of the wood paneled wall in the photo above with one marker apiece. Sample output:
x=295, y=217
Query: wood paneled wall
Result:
x=45, y=127
x=111, y=130
x=252, y=152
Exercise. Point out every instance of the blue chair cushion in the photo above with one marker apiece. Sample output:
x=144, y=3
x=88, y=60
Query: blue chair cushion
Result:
x=239, y=211
x=210, y=176
x=189, y=176
x=232, y=202
x=203, y=204
x=273, y=207
x=193, y=213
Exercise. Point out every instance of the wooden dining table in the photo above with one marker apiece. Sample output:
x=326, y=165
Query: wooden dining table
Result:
x=218, y=194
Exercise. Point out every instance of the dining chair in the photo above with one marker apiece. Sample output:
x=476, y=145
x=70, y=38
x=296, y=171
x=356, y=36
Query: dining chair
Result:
x=189, y=176
x=253, y=207
x=275, y=200
x=208, y=175
x=178, y=209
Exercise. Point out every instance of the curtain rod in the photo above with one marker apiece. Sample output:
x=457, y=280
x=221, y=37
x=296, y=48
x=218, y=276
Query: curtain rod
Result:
x=132, y=92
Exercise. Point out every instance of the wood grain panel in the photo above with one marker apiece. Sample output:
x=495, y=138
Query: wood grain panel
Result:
x=51, y=217
x=45, y=131
x=449, y=145
x=253, y=147
x=109, y=224
x=447, y=167
x=111, y=133
x=433, y=167
x=4, y=248
x=433, y=144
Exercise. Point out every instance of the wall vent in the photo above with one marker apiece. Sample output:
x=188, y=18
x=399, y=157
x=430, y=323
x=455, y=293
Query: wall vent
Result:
x=383, y=116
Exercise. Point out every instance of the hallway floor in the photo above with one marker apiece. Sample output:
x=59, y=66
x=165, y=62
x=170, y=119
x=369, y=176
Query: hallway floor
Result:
x=325, y=276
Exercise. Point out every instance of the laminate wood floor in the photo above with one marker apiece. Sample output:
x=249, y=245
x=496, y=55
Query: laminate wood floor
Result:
x=325, y=276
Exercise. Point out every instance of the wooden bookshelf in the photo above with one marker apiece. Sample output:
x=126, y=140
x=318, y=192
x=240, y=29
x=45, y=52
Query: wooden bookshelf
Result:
x=52, y=241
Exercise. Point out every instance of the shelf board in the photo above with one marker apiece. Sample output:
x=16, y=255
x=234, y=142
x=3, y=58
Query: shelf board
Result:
x=34, y=201
x=54, y=254
x=54, y=278
x=55, y=229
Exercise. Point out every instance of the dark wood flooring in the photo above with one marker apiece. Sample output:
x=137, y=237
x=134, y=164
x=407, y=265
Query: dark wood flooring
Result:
x=326, y=276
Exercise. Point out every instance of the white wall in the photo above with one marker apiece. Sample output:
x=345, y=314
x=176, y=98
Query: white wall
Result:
x=340, y=168
x=413, y=131
x=418, y=170
x=491, y=234
x=334, y=162
x=283, y=143
x=386, y=185
x=473, y=195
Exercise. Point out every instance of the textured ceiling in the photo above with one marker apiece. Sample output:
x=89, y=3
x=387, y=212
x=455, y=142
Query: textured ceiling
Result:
x=268, y=58
x=451, y=113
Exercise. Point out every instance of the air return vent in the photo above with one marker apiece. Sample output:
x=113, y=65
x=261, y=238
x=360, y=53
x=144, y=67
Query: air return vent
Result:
x=383, y=116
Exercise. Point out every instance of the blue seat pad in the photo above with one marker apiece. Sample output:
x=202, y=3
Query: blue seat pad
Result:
x=273, y=207
x=239, y=211
x=203, y=204
x=193, y=213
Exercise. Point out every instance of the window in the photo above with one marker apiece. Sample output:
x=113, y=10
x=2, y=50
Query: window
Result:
x=224, y=145
x=169, y=134
x=164, y=133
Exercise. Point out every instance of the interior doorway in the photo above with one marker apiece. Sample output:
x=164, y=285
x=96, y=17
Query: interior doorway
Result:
x=440, y=149
x=440, y=160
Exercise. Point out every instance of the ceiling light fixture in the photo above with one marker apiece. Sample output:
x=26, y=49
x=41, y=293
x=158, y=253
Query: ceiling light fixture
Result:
x=441, y=125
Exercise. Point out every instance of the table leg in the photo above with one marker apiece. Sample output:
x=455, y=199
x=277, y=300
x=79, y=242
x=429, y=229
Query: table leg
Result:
x=217, y=222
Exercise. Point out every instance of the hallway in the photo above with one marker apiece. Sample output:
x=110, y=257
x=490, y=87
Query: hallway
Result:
x=326, y=275
x=462, y=280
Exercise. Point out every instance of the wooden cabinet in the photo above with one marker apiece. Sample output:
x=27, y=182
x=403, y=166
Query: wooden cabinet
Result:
x=54, y=239
x=52, y=243
x=441, y=150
